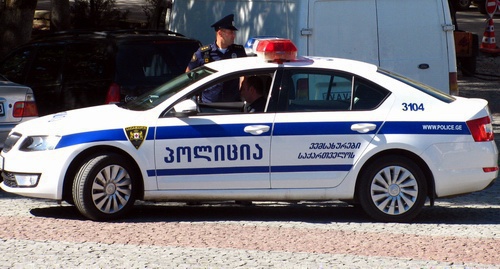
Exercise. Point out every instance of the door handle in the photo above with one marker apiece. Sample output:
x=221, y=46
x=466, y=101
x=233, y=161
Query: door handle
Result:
x=256, y=129
x=363, y=127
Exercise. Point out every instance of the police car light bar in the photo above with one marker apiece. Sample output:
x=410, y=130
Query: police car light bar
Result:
x=276, y=50
x=251, y=44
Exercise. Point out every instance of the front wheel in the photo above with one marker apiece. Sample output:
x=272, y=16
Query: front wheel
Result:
x=104, y=188
x=392, y=189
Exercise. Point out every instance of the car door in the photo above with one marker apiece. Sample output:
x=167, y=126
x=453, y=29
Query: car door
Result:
x=321, y=127
x=220, y=147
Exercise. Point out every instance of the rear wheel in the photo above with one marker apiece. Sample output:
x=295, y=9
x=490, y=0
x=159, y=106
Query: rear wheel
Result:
x=104, y=188
x=392, y=189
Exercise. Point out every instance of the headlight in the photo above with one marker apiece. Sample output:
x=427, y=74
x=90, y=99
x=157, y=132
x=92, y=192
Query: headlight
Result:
x=39, y=143
x=11, y=141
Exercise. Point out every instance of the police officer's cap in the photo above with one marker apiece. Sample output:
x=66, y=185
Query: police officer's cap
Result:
x=225, y=23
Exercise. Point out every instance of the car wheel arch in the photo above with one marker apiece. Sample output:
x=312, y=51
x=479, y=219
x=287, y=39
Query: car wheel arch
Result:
x=399, y=152
x=87, y=154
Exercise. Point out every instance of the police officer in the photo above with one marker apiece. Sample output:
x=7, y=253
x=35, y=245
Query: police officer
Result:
x=252, y=91
x=223, y=48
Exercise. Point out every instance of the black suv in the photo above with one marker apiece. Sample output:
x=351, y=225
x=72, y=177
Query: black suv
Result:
x=70, y=70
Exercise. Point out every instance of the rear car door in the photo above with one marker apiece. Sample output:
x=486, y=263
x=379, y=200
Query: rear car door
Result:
x=325, y=120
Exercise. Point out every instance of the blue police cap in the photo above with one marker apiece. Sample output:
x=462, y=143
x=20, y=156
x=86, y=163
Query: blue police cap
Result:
x=225, y=23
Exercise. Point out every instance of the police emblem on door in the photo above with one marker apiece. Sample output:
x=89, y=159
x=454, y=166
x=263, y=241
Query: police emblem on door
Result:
x=136, y=135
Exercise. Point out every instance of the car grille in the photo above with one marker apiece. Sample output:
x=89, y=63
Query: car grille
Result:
x=9, y=180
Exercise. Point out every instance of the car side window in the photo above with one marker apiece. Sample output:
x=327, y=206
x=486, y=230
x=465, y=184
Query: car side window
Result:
x=13, y=67
x=237, y=104
x=367, y=96
x=46, y=67
x=85, y=61
x=316, y=90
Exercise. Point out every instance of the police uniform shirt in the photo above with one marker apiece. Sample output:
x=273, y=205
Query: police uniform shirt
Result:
x=229, y=91
x=210, y=53
x=258, y=105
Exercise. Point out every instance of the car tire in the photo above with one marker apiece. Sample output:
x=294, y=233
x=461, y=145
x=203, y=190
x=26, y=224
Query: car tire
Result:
x=104, y=188
x=392, y=189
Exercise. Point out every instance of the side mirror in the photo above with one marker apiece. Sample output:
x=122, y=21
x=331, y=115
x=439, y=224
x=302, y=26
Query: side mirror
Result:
x=185, y=108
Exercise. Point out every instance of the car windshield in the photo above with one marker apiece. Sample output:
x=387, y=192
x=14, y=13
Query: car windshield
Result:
x=156, y=96
x=420, y=86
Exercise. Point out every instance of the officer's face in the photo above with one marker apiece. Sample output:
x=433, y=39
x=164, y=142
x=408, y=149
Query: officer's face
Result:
x=244, y=91
x=228, y=35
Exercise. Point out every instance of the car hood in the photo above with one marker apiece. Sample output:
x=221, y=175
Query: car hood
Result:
x=104, y=117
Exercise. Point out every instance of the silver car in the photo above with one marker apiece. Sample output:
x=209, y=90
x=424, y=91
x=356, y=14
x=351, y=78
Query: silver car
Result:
x=17, y=104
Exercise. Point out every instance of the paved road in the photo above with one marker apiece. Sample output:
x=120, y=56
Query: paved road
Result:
x=456, y=233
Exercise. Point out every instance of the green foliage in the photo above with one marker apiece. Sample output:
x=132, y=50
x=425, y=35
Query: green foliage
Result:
x=96, y=14
x=155, y=12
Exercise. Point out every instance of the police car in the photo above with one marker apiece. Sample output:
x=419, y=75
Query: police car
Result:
x=332, y=129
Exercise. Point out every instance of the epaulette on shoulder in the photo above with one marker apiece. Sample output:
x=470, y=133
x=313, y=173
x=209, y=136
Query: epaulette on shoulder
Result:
x=238, y=46
x=205, y=48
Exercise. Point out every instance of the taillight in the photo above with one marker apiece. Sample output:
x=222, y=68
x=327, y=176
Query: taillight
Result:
x=490, y=169
x=481, y=129
x=113, y=95
x=25, y=109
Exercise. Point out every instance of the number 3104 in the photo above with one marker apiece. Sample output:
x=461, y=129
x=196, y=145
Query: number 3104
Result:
x=413, y=107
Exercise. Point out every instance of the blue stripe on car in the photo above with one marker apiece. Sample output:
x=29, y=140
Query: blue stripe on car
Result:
x=209, y=130
x=280, y=129
x=318, y=128
x=88, y=137
x=247, y=169
x=422, y=127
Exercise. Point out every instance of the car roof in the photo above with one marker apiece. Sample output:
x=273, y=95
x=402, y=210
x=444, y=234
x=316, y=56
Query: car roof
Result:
x=117, y=35
x=342, y=64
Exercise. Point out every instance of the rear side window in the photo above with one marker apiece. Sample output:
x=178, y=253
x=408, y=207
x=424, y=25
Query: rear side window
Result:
x=14, y=66
x=86, y=62
x=420, y=86
x=325, y=90
x=47, y=65
x=154, y=63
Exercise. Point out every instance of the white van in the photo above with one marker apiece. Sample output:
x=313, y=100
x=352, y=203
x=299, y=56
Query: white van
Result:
x=412, y=38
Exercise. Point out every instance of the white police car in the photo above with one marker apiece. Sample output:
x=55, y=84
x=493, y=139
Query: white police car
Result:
x=333, y=129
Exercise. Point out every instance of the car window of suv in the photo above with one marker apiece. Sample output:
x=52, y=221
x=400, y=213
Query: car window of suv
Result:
x=86, y=61
x=322, y=90
x=152, y=63
x=47, y=66
x=13, y=67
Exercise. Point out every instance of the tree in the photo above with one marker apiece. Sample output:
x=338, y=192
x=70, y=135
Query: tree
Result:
x=59, y=15
x=16, y=23
x=96, y=14
x=156, y=12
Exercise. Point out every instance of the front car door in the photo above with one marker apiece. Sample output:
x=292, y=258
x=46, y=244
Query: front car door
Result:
x=221, y=147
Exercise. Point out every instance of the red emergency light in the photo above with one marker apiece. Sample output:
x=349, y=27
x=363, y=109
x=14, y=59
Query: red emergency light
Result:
x=276, y=50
